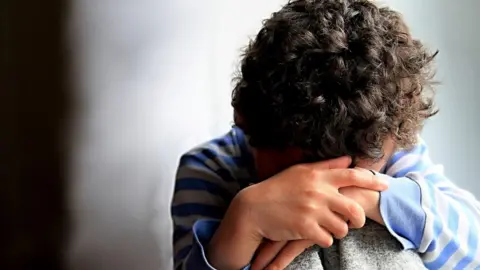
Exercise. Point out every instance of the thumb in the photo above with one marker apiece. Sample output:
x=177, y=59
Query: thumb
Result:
x=336, y=163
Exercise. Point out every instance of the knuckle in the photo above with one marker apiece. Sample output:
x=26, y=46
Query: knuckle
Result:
x=307, y=172
x=345, y=175
x=302, y=224
x=315, y=195
x=301, y=167
x=352, y=209
x=310, y=174
x=349, y=209
x=308, y=208
x=351, y=174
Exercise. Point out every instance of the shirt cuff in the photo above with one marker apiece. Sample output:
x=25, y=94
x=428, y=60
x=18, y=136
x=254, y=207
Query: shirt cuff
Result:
x=402, y=212
x=203, y=231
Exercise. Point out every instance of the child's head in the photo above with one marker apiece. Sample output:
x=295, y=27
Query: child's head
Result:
x=329, y=78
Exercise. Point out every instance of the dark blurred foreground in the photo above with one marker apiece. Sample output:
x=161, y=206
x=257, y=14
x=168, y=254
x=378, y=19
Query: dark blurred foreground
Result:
x=33, y=111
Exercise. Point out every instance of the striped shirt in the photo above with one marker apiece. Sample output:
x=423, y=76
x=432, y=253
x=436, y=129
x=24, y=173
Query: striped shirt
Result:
x=421, y=208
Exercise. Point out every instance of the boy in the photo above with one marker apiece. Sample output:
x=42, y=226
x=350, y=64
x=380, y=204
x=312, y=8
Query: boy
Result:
x=335, y=80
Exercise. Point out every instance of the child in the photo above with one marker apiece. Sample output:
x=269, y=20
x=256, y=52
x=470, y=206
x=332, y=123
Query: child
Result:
x=324, y=79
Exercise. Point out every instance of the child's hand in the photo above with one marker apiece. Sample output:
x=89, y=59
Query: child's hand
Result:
x=303, y=202
x=278, y=255
x=300, y=203
x=368, y=199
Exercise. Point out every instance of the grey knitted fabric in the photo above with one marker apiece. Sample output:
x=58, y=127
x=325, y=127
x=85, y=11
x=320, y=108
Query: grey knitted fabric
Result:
x=371, y=247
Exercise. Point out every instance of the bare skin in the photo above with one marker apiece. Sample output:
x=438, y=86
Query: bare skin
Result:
x=279, y=254
x=301, y=204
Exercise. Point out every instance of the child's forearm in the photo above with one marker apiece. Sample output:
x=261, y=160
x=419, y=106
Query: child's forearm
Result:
x=428, y=213
x=233, y=244
x=452, y=217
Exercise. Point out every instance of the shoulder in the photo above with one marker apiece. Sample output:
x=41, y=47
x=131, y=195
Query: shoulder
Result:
x=227, y=156
x=224, y=150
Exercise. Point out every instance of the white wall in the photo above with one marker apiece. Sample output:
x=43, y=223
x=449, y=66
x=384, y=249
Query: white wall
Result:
x=154, y=80
x=450, y=27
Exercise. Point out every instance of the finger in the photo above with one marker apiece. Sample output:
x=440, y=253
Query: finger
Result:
x=349, y=209
x=335, y=225
x=289, y=253
x=359, y=178
x=365, y=170
x=319, y=236
x=376, y=177
x=266, y=253
x=336, y=163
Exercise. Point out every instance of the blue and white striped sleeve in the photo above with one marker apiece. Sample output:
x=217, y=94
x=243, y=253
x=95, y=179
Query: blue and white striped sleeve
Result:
x=203, y=189
x=425, y=211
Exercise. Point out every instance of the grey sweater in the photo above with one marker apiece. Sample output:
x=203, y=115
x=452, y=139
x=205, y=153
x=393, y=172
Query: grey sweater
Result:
x=371, y=247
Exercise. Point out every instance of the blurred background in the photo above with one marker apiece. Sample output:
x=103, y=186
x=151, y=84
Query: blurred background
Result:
x=98, y=99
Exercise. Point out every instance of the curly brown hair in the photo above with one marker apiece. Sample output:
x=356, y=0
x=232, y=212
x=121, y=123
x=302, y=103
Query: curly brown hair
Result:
x=334, y=77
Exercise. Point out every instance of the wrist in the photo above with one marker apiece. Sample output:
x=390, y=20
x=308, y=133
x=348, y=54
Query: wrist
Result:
x=242, y=210
x=236, y=240
x=373, y=211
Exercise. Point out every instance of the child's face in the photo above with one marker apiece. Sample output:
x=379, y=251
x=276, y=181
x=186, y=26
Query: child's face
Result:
x=269, y=162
